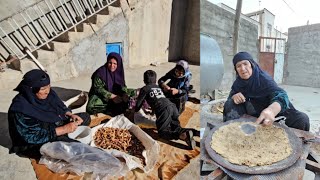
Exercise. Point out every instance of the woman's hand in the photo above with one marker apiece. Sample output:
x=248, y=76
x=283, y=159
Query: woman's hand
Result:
x=116, y=99
x=268, y=115
x=125, y=98
x=70, y=127
x=238, y=98
x=76, y=119
x=165, y=87
x=65, y=129
x=174, y=91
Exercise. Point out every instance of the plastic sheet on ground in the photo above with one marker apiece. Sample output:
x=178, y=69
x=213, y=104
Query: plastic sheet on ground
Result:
x=80, y=158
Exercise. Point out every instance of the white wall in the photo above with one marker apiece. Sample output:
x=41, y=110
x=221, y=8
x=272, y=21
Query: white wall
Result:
x=149, y=31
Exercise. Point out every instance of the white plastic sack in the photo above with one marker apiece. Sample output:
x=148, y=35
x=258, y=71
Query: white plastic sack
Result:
x=61, y=157
x=152, y=148
x=144, y=119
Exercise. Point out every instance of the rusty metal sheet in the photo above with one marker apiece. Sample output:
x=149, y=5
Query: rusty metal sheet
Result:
x=266, y=62
x=295, y=142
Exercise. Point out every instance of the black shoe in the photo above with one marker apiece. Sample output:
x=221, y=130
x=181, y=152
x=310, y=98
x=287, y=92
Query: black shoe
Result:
x=189, y=140
x=191, y=90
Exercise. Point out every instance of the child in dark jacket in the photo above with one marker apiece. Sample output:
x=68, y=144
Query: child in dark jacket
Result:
x=178, y=88
x=167, y=122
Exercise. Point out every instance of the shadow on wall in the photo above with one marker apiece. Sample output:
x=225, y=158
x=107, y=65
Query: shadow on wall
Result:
x=66, y=94
x=5, y=139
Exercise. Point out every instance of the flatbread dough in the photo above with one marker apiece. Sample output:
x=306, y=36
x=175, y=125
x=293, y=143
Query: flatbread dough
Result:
x=269, y=144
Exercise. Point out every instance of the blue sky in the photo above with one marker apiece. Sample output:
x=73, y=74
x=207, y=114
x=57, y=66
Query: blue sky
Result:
x=288, y=13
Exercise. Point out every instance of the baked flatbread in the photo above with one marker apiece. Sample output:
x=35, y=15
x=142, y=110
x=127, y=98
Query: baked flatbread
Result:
x=269, y=144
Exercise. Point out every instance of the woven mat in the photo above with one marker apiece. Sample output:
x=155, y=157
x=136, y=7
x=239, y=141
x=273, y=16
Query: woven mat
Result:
x=173, y=156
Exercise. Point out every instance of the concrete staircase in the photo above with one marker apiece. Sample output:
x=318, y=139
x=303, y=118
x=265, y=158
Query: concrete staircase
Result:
x=59, y=48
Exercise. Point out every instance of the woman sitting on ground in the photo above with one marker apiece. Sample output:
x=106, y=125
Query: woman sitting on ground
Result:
x=255, y=93
x=108, y=93
x=37, y=116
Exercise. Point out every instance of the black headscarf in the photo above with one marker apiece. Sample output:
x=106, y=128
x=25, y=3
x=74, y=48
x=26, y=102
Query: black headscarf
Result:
x=51, y=109
x=259, y=85
x=111, y=78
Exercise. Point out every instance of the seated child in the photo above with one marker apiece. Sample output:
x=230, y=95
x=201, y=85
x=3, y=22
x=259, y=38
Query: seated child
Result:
x=178, y=88
x=167, y=122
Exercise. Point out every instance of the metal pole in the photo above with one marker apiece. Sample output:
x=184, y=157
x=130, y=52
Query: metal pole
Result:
x=45, y=19
x=41, y=24
x=69, y=11
x=34, y=31
x=19, y=35
x=99, y=6
x=65, y=11
x=83, y=13
x=88, y=7
x=10, y=41
x=77, y=10
x=24, y=35
x=90, y=4
x=56, y=16
x=56, y=10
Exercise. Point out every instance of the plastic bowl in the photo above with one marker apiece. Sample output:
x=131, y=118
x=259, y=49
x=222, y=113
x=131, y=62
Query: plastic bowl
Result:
x=82, y=134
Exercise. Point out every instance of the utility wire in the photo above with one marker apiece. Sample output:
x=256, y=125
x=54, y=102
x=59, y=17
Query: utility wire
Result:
x=288, y=6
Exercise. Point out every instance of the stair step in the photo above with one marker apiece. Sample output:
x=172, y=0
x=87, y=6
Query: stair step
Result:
x=46, y=57
x=92, y=19
x=10, y=78
x=104, y=11
x=114, y=10
x=76, y=37
x=116, y=4
x=78, y=28
x=49, y=46
x=62, y=38
x=102, y=20
x=62, y=48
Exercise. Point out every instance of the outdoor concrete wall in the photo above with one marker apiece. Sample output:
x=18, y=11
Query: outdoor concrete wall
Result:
x=184, y=31
x=9, y=8
x=191, y=43
x=267, y=18
x=218, y=23
x=177, y=29
x=149, y=31
x=143, y=26
x=303, y=56
x=90, y=53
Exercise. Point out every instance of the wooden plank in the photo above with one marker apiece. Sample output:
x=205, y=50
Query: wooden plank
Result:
x=96, y=119
x=217, y=174
x=312, y=166
x=314, y=155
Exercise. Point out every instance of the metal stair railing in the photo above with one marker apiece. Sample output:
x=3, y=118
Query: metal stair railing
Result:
x=41, y=22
